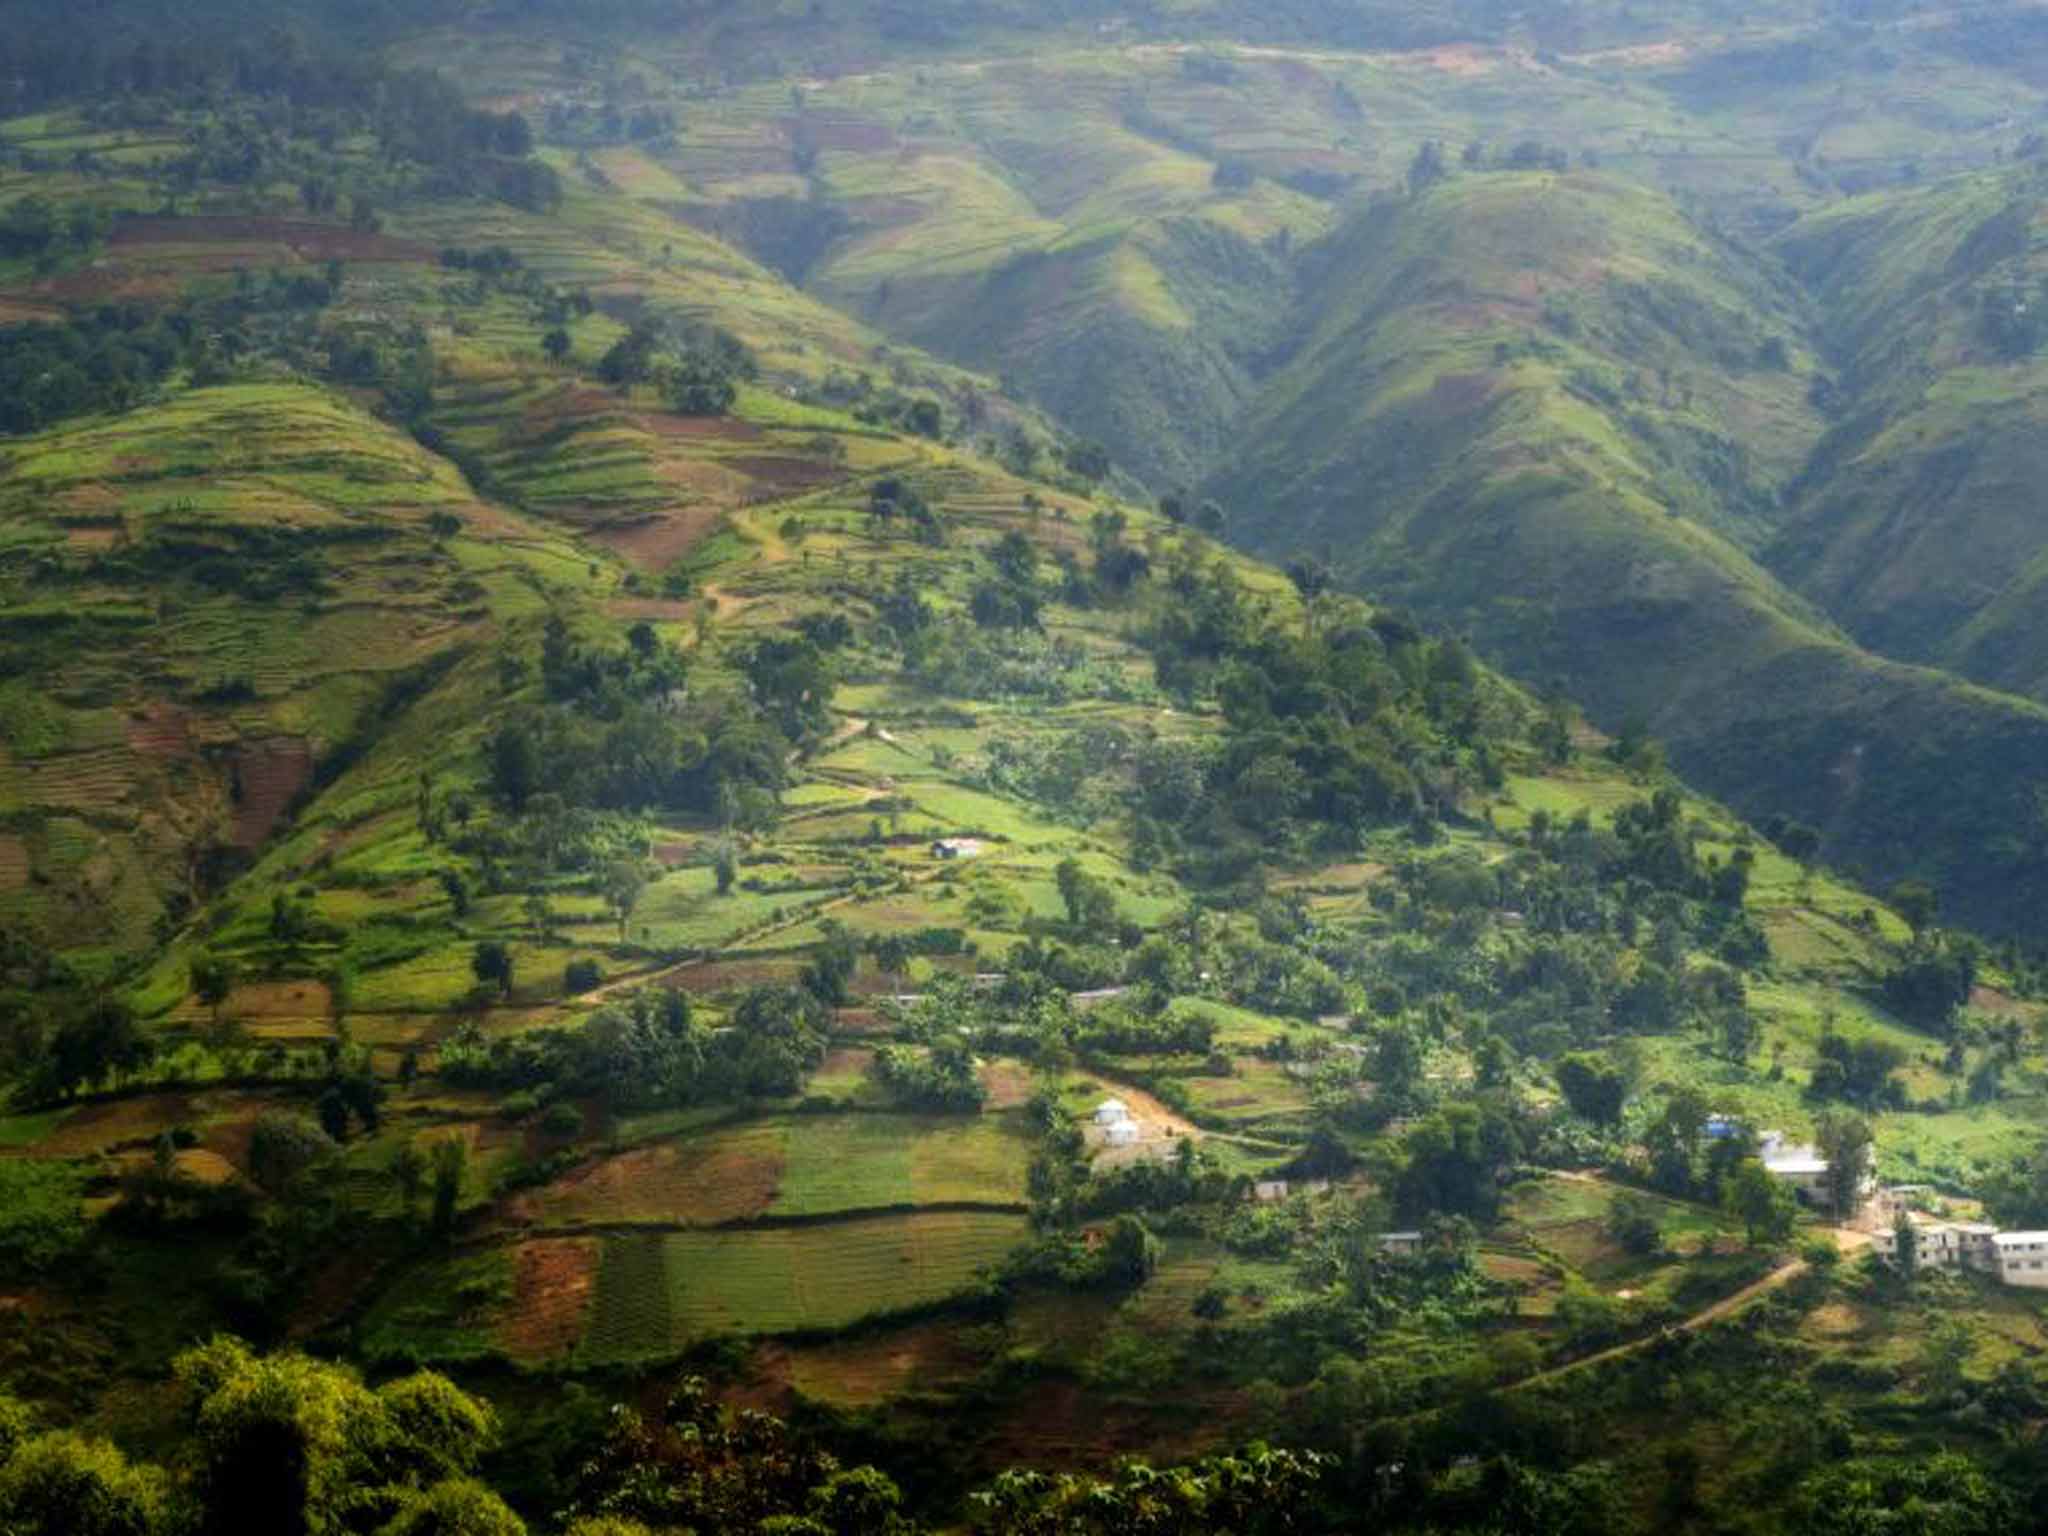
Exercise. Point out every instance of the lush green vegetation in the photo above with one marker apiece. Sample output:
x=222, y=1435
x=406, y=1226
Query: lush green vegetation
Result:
x=571, y=815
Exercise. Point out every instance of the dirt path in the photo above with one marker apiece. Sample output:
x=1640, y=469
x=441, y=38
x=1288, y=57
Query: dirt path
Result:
x=1726, y=1307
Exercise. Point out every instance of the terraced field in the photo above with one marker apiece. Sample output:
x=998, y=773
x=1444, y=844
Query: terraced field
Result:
x=657, y=1293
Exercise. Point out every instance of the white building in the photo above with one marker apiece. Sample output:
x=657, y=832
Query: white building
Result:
x=1945, y=1245
x=2022, y=1258
x=1803, y=1168
x=1401, y=1244
x=1120, y=1133
x=1112, y=1112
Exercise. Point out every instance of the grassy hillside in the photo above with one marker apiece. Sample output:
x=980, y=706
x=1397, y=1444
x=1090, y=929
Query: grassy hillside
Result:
x=572, y=815
x=1104, y=210
x=1560, y=438
x=1918, y=525
x=207, y=602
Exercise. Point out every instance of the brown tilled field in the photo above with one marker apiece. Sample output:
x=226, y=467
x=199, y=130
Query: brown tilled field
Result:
x=656, y=543
x=307, y=241
x=271, y=773
x=725, y=1176
x=553, y=1282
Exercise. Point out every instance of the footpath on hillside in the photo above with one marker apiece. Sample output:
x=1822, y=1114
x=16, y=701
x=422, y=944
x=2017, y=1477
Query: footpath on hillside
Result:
x=1850, y=1241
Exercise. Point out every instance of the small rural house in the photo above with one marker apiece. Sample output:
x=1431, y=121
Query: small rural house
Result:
x=1802, y=1168
x=1114, y=1120
x=1401, y=1244
x=2022, y=1258
x=1945, y=1245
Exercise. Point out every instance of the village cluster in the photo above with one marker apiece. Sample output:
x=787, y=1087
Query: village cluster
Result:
x=1886, y=1213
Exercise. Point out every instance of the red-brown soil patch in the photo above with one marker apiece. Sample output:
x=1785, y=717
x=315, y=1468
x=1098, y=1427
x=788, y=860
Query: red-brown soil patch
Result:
x=158, y=729
x=307, y=241
x=553, y=1281
x=777, y=478
x=92, y=536
x=674, y=855
x=1454, y=394
x=702, y=428
x=336, y=1288
x=106, y=283
x=1061, y=1423
x=656, y=610
x=1008, y=1084
x=98, y=1127
x=818, y=130
x=846, y=1061
x=859, y=1022
x=1991, y=1000
x=280, y=1000
x=866, y=1372
x=721, y=975
x=656, y=543
x=270, y=774
x=16, y=868
x=698, y=1182
x=346, y=839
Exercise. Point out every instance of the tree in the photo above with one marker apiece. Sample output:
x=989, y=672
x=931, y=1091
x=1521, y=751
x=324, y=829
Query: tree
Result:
x=699, y=385
x=1736, y=1033
x=1946, y=1494
x=1428, y=167
x=1932, y=981
x=98, y=1042
x=1916, y=902
x=1844, y=1139
x=1130, y=1253
x=64, y=1484
x=2016, y=1195
x=456, y=1507
x=450, y=1165
x=1594, y=1086
x=1673, y=1140
x=286, y=1444
x=725, y=866
x=1905, y=1247
x=1090, y=903
x=409, y=1172
x=333, y=1112
x=1259, y=1493
x=492, y=964
x=1451, y=1163
x=213, y=982
x=283, y=1148
x=1765, y=1207
x=624, y=882
x=1632, y=1222
x=557, y=344
x=892, y=954
x=41, y=1216
x=1945, y=1354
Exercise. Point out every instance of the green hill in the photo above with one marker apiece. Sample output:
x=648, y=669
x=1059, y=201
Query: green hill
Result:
x=577, y=818
x=1918, y=526
x=1548, y=411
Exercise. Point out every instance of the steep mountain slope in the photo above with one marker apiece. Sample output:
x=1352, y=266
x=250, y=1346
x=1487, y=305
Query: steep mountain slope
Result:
x=207, y=606
x=1550, y=412
x=1103, y=211
x=1919, y=524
